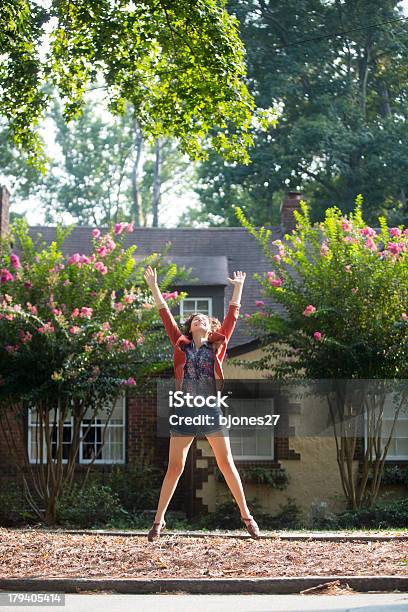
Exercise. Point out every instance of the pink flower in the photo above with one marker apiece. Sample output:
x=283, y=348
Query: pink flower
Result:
x=15, y=261
x=130, y=381
x=46, y=328
x=127, y=345
x=74, y=329
x=368, y=231
x=102, y=251
x=86, y=312
x=247, y=315
x=130, y=227
x=259, y=303
x=5, y=276
x=25, y=336
x=109, y=243
x=406, y=232
x=141, y=339
x=277, y=258
x=317, y=336
x=168, y=296
x=354, y=289
x=66, y=282
x=308, y=310
x=119, y=227
x=129, y=298
x=276, y=282
x=119, y=306
x=271, y=275
x=395, y=232
x=11, y=348
x=106, y=325
x=324, y=249
x=56, y=311
x=396, y=247
x=101, y=267
x=370, y=244
x=74, y=259
x=96, y=233
x=346, y=225
x=28, y=284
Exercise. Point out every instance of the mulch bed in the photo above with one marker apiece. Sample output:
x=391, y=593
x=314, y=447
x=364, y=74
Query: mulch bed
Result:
x=46, y=554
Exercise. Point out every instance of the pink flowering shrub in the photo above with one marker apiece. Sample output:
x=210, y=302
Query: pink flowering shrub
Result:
x=344, y=288
x=74, y=330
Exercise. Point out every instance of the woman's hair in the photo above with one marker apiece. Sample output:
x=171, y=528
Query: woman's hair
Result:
x=214, y=323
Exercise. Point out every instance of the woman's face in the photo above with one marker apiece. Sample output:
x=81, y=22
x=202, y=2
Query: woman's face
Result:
x=200, y=322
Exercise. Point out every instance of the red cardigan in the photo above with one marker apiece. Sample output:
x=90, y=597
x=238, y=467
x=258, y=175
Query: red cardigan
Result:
x=177, y=338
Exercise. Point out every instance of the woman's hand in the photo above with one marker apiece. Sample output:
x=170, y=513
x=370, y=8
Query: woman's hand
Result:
x=239, y=278
x=150, y=276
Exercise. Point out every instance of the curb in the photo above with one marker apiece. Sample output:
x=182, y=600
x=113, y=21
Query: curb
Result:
x=362, y=584
x=231, y=534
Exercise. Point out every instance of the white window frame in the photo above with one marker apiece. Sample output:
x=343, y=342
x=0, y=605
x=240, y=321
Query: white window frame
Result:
x=70, y=423
x=268, y=410
x=195, y=300
x=110, y=426
x=388, y=457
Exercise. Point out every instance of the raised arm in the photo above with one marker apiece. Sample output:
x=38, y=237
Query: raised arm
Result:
x=231, y=317
x=170, y=325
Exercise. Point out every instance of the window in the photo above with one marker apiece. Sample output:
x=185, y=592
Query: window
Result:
x=199, y=304
x=252, y=441
x=398, y=448
x=34, y=452
x=113, y=450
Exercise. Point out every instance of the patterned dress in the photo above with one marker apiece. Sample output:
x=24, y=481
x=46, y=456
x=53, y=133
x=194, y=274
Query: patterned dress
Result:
x=199, y=379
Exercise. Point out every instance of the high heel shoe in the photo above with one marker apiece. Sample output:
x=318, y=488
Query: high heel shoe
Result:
x=155, y=530
x=252, y=526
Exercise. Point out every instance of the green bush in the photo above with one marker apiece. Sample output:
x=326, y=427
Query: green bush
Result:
x=93, y=506
x=382, y=515
x=227, y=516
x=137, y=486
x=14, y=509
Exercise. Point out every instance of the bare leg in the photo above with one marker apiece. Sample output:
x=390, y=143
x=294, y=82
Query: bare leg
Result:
x=178, y=451
x=221, y=447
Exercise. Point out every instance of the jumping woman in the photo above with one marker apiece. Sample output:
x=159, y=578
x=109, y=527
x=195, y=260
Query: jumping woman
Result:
x=198, y=355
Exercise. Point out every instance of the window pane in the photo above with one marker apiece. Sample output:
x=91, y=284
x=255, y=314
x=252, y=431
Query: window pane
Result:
x=402, y=447
x=264, y=442
x=202, y=306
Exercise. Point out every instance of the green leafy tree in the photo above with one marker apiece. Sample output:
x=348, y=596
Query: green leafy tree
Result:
x=180, y=64
x=338, y=70
x=343, y=287
x=75, y=332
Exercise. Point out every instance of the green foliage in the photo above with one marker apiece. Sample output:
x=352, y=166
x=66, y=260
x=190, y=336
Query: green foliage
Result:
x=137, y=485
x=277, y=478
x=14, y=509
x=227, y=516
x=91, y=506
x=180, y=64
x=344, y=289
x=382, y=515
x=344, y=111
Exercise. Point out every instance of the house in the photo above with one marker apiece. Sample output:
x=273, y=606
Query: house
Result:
x=308, y=461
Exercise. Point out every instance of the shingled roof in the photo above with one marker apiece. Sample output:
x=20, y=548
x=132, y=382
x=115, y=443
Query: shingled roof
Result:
x=212, y=253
